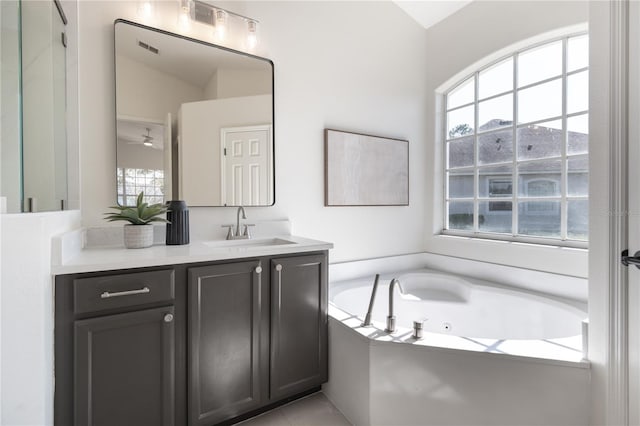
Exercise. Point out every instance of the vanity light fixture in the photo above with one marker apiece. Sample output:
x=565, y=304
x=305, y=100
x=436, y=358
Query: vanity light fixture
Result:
x=145, y=9
x=222, y=20
x=184, y=14
x=221, y=24
x=252, y=37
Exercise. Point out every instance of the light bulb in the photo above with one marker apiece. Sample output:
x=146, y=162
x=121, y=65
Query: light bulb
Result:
x=252, y=37
x=147, y=143
x=184, y=19
x=221, y=24
x=145, y=9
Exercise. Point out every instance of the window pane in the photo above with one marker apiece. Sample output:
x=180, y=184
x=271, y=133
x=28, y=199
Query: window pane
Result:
x=460, y=122
x=495, y=182
x=497, y=112
x=461, y=95
x=578, y=53
x=578, y=176
x=495, y=147
x=494, y=216
x=461, y=184
x=460, y=152
x=496, y=79
x=539, y=218
x=542, y=140
x=540, y=102
x=578, y=134
x=539, y=179
x=578, y=219
x=460, y=215
x=578, y=92
x=540, y=63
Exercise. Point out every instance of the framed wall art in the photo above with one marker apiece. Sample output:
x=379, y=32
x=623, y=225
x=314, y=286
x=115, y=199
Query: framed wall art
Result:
x=365, y=170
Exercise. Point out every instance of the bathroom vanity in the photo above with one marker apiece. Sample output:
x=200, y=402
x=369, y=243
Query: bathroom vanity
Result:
x=196, y=335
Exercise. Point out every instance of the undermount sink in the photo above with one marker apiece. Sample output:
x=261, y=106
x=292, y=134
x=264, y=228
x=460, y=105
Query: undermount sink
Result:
x=258, y=243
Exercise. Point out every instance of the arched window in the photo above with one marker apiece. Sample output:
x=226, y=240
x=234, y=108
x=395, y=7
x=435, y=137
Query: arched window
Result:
x=516, y=136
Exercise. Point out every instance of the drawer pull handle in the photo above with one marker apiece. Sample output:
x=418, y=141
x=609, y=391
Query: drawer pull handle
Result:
x=258, y=269
x=107, y=295
x=168, y=318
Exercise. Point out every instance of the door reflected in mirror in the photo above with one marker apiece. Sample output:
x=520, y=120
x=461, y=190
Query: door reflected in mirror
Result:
x=194, y=120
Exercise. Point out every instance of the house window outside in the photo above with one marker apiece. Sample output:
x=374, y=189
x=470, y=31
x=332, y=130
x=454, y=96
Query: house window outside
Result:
x=132, y=181
x=517, y=147
x=500, y=188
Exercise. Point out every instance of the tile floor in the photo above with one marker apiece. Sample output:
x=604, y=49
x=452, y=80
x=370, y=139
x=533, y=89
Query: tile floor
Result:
x=313, y=410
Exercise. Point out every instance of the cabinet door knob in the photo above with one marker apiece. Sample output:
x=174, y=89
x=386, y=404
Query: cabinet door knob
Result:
x=258, y=269
x=168, y=318
x=278, y=267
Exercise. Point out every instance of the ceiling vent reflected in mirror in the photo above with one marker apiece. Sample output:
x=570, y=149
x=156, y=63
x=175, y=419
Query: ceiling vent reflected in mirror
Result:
x=148, y=47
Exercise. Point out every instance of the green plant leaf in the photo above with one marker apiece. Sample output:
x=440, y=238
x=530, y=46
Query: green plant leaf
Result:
x=141, y=214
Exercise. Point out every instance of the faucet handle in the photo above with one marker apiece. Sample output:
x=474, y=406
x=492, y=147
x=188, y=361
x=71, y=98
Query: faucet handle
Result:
x=230, y=233
x=247, y=233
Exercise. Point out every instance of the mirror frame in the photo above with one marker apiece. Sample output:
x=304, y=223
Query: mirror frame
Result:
x=174, y=184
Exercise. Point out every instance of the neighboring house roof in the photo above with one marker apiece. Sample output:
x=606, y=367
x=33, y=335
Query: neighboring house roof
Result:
x=534, y=141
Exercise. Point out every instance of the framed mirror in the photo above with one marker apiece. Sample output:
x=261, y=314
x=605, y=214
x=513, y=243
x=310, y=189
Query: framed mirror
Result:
x=194, y=121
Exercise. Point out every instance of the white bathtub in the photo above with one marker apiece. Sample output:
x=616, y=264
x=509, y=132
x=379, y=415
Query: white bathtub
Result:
x=490, y=354
x=462, y=307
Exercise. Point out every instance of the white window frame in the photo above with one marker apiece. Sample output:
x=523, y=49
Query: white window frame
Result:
x=122, y=196
x=564, y=240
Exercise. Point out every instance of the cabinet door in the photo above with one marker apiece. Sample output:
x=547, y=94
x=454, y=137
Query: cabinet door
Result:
x=298, y=324
x=125, y=369
x=227, y=328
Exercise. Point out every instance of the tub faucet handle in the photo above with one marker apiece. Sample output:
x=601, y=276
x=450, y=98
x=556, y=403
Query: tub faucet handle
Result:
x=417, y=329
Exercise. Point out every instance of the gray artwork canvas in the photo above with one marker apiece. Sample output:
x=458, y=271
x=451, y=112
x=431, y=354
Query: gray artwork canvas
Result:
x=363, y=170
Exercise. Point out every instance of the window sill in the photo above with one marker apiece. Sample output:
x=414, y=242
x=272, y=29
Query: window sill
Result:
x=527, y=241
x=572, y=261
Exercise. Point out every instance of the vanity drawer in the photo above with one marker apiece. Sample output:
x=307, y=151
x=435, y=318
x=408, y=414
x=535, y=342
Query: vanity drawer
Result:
x=123, y=290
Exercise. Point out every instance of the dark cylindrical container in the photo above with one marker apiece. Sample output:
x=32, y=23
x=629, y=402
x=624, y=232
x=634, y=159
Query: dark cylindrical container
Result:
x=178, y=226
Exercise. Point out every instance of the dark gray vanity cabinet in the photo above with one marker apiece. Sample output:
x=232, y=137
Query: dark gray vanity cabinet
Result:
x=228, y=340
x=116, y=349
x=191, y=344
x=124, y=369
x=298, y=324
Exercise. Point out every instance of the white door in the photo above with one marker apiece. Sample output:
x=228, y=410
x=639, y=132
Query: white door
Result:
x=246, y=166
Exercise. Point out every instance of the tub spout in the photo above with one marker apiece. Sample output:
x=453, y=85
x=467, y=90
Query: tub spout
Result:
x=367, y=318
x=391, y=319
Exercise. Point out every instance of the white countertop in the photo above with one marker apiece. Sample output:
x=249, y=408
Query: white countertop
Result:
x=118, y=257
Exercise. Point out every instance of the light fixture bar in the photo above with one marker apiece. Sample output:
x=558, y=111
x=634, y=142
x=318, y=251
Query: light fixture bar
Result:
x=205, y=13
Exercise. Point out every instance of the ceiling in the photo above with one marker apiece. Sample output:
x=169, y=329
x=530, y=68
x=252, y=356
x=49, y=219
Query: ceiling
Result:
x=429, y=12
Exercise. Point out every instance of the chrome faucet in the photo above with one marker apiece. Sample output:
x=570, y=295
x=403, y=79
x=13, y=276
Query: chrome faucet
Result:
x=244, y=216
x=237, y=234
x=391, y=319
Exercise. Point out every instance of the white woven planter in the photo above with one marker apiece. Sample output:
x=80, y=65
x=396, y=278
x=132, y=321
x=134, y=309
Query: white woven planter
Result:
x=138, y=236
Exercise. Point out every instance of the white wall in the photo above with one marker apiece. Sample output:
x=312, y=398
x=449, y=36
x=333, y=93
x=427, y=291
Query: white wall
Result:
x=27, y=315
x=199, y=143
x=138, y=156
x=168, y=92
x=474, y=32
x=334, y=67
x=234, y=83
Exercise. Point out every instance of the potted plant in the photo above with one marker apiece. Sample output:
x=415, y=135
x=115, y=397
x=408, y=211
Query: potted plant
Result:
x=138, y=233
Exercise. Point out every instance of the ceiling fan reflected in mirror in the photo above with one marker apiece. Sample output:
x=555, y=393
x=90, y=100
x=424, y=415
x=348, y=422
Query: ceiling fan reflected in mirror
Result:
x=147, y=139
x=146, y=133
